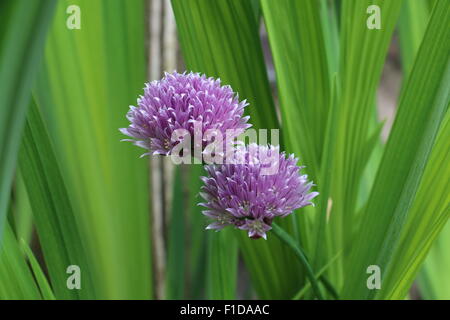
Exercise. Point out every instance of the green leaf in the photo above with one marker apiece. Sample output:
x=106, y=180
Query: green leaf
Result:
x=222, y=265
x=22, y=37
x=428, y=215
x=176, y=260
x=23, y=215
x=44, y=286
x=196, y=224
x=422, y=106
x=433, y=280
x=90, y=77
x=16, y=279
x=220, y=39
x=325, y=177
x=256, y=9
x=60, y=236
x=361, y=60
x=298, y=47
x=412, y=24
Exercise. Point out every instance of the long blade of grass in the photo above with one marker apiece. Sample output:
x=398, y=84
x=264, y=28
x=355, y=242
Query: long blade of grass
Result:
x=429, y=214
x=298, y=47
x=359, y=83
x=302, y=62
x=422, y=106
x=324, y=203
x=413, y=23
x=23, y=32
x=197, y=236
x=176, y=260
x=222, y=266
x=59, y=233
x=90, y=77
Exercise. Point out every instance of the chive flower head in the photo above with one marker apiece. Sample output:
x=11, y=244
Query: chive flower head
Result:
x=177, y=101
x=241, y=194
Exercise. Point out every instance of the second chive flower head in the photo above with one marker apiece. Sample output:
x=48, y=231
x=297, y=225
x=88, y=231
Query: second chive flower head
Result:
x=241, y=195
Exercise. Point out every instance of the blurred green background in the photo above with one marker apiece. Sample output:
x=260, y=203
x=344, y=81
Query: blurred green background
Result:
x=366, y=110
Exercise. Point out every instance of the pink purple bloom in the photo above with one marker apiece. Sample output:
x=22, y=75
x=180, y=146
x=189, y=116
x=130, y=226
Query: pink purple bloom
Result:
x=177, y=101
x=241, y=195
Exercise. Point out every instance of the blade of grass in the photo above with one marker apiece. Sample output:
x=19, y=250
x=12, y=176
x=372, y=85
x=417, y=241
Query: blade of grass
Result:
x=222, y=265
x=22, y=38
x=422, y=106
x=325, y=176
x=256, y=10
x=302, y=62
x=429, y=213
x=359, y=83
x=59, y=233
x=44, y=286
x=23, y=215
x=197, y=235
x=329, y=17
x=298, y=47
x=16, y=280
x=176, y=260
x=433, y=281
x=413, y=23
x=90, y=76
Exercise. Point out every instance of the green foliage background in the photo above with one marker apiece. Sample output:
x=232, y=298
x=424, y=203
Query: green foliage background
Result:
x=71, y=194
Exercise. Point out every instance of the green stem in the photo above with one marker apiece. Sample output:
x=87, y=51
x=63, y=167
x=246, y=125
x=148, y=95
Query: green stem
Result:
x=322, y=278
x=327, y=284
x=287, y=239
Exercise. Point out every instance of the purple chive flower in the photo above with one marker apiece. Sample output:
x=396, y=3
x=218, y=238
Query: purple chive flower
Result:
x=177, y=101
x=244, y=196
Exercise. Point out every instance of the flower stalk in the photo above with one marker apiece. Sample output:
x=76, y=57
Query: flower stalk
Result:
x=290, y=242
